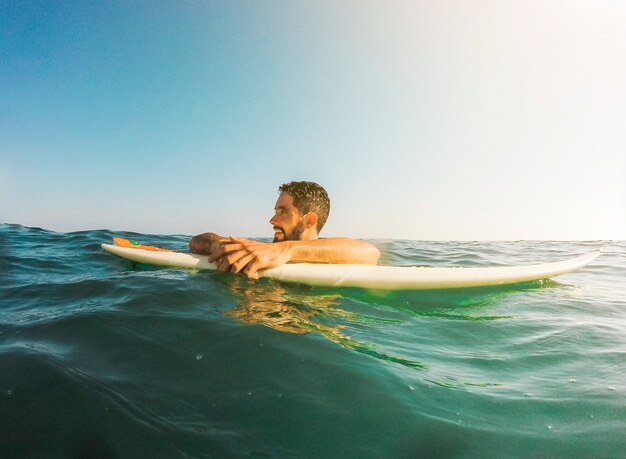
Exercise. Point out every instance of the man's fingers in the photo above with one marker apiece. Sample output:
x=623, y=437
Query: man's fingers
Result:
x=228, y=248
x=222, y=264
x=252, y=270
x=241, y=263
x=215, y=251
x=246, y=243
x=227, y=251
x=233, y=257
x=240, y=255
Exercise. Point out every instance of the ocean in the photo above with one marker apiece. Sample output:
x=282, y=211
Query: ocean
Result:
x=103, y=358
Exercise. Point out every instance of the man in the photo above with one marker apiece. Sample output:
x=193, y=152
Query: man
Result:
x=300, y=214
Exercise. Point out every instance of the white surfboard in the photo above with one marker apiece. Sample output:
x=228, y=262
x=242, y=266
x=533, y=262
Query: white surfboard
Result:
x=374, y=277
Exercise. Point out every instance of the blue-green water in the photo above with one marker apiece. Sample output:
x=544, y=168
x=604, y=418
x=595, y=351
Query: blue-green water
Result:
x=100, y=358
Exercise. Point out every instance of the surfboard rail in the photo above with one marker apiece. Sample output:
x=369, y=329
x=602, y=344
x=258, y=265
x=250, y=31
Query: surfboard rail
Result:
x=375, y=277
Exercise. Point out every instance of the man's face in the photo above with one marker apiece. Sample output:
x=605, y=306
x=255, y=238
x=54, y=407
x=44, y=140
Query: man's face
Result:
x=288, y=222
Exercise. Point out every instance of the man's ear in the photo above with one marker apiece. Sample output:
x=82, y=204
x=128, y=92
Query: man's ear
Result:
x=311, y=220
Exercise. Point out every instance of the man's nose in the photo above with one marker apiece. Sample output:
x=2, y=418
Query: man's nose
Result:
x=273, y=220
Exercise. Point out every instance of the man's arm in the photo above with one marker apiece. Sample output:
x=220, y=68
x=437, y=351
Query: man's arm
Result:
x=332, y=250
x=251, y=256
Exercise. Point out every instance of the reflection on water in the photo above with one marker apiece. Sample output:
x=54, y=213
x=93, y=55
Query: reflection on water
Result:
x=274, y=307
x=300, y=309
x=270, y=304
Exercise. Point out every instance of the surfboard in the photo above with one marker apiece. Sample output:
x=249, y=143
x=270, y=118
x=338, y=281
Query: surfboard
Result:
x=373, y=277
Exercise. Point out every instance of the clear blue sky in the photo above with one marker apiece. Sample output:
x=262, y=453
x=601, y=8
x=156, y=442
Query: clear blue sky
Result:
x=424, y=120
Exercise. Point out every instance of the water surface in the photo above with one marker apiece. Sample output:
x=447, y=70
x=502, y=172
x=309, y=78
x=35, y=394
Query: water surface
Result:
x=103, y=358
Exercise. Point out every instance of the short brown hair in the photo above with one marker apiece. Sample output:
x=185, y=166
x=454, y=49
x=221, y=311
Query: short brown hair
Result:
x=309, y=197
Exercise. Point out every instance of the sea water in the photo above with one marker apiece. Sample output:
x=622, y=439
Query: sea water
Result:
x=100, y=357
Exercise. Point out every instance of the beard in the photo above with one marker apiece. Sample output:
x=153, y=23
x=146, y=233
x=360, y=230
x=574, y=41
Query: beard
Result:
x=293, y=235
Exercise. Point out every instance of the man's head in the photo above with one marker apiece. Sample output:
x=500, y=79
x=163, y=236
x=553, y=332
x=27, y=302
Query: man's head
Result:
x=301, y=211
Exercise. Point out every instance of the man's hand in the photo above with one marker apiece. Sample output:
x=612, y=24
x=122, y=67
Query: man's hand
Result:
x=216, y=255
x=251, y=256
x=206, y=243
x=244, y=255
x=210, y=244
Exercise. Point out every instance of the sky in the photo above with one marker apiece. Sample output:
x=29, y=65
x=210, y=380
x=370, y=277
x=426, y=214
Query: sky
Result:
x=424, y=120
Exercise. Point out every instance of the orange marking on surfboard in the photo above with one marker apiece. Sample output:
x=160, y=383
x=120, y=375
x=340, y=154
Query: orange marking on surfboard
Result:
x=121, y=242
